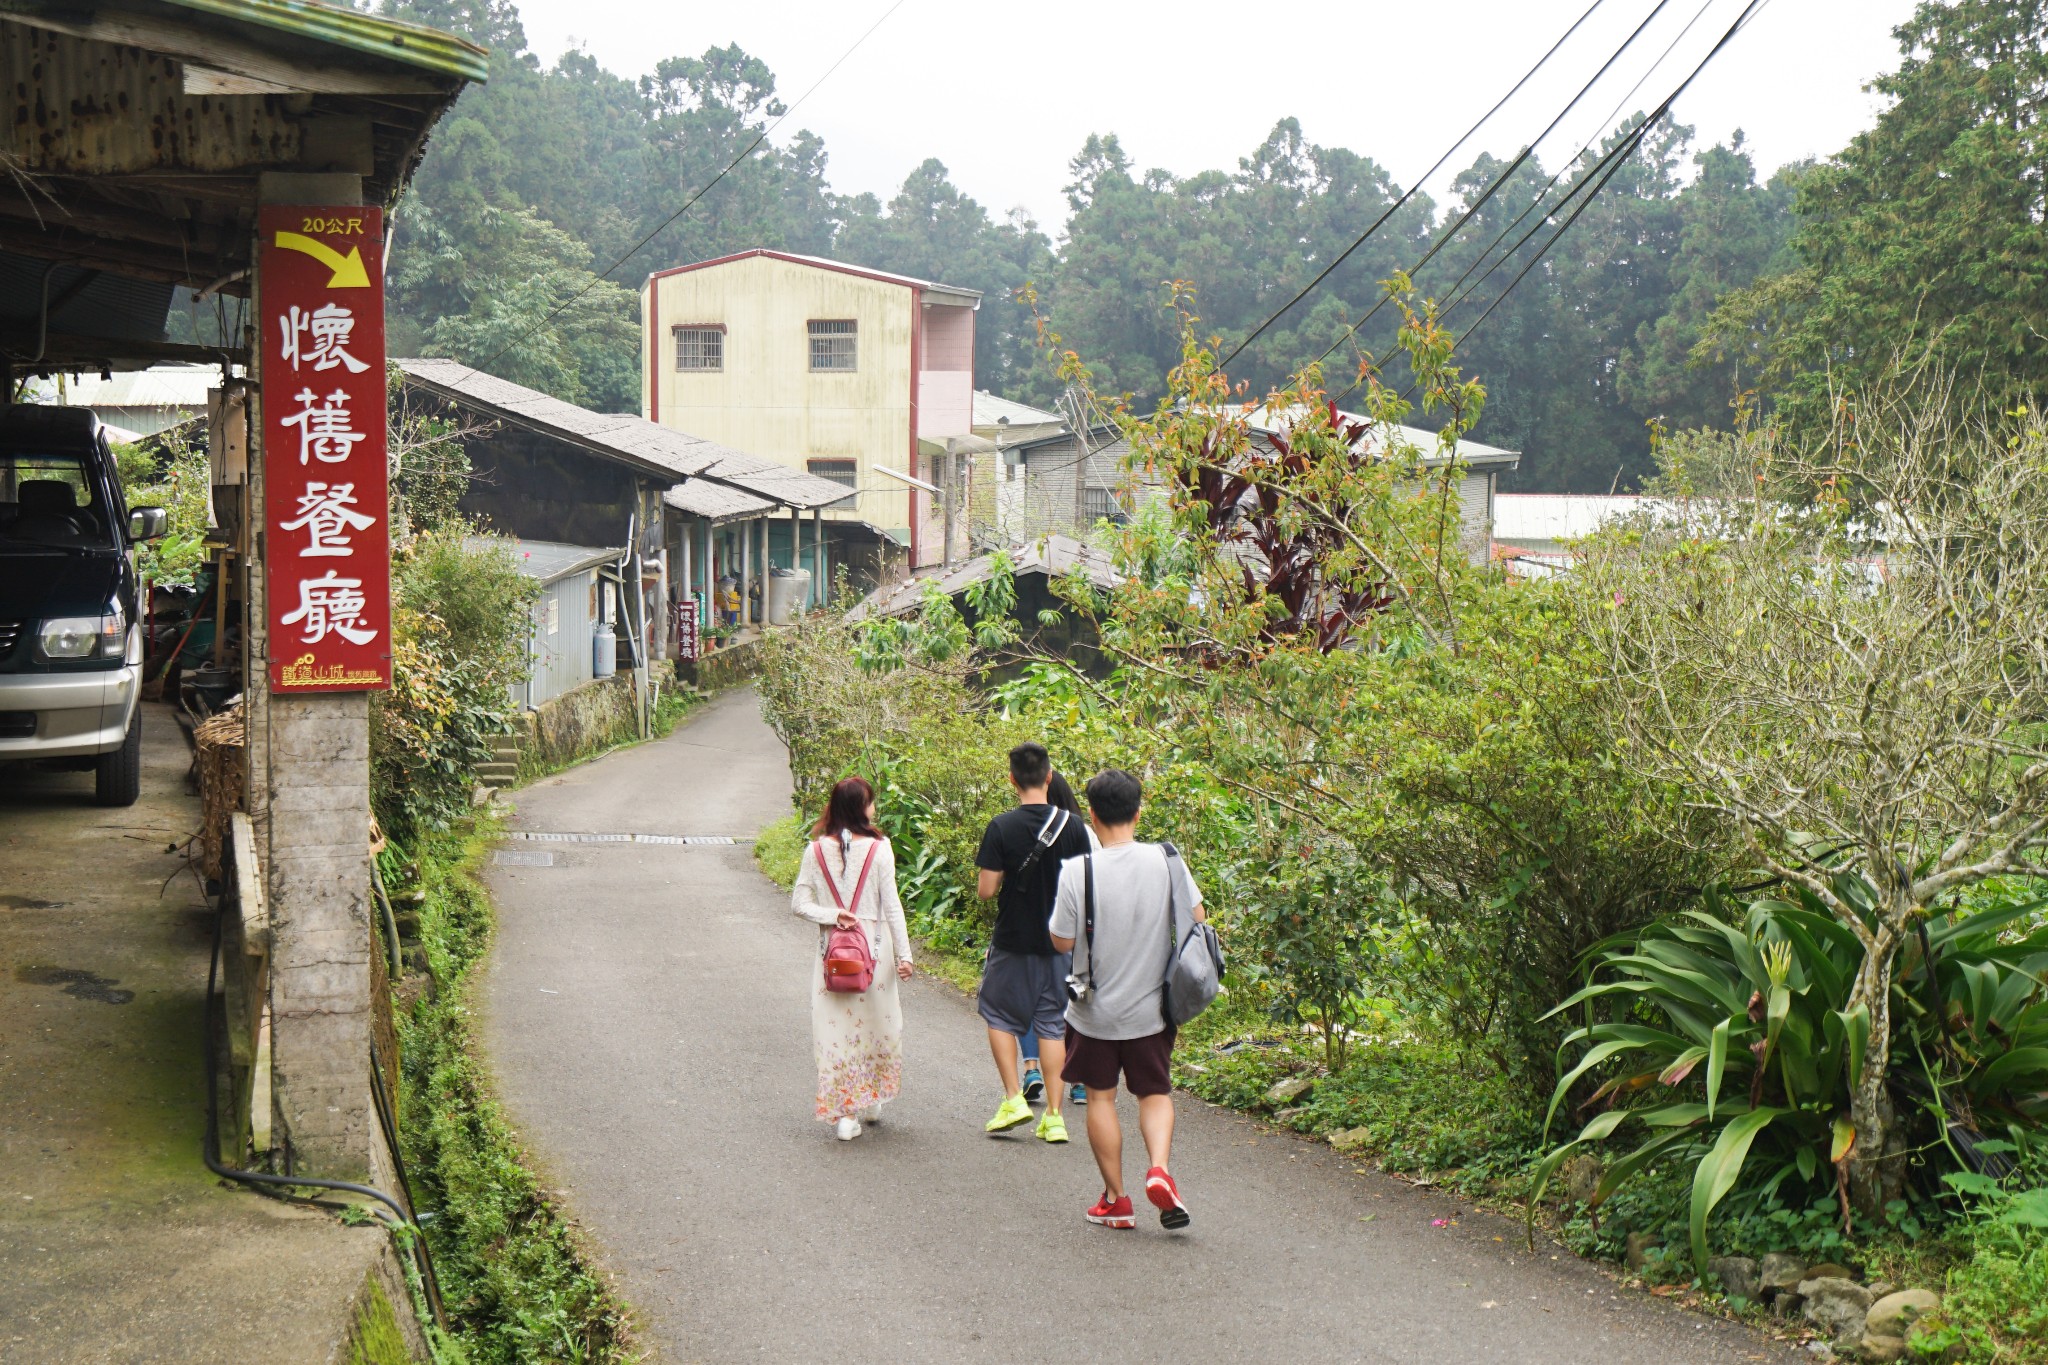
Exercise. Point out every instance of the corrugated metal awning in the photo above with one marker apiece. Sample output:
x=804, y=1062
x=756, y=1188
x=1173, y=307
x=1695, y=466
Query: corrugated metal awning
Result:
x=546, y=561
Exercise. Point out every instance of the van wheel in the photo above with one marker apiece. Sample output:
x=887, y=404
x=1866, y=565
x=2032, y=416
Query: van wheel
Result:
x=117, y=777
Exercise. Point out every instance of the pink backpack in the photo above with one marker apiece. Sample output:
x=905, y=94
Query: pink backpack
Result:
x=849, y=958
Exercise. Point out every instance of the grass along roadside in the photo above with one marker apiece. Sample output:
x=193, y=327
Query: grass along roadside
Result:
x=518, y=1286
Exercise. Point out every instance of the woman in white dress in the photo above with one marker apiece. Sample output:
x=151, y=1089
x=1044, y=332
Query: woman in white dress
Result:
x=857, y=1038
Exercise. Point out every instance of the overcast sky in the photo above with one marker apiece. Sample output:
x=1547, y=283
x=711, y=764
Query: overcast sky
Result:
x=1005, y=93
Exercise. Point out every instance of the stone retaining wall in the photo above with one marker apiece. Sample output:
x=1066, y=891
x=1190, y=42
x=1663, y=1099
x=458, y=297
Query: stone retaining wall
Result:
x=563, y=729
x=723, y=668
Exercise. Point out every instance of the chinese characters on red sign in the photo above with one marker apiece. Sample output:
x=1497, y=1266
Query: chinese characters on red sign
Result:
x=327, y=547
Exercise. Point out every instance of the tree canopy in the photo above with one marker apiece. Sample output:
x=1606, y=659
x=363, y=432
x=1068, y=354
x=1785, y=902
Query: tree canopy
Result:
x=552, y=191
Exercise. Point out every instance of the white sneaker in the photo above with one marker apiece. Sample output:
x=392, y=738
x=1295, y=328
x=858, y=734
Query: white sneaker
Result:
x=849, y=1128
x=871, y=1114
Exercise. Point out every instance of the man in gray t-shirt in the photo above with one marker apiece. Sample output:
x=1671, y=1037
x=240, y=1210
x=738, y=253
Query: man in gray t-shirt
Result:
x=1117, y=1025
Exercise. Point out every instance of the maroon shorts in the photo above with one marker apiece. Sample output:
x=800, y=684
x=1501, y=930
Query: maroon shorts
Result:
x=1146, y=1063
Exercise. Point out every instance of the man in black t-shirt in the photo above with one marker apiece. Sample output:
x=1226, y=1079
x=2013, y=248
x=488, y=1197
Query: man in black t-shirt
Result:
x=1024, y=984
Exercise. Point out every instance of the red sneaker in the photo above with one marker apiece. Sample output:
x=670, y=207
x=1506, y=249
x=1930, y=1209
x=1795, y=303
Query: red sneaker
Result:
x=1113, y=1213
x=1160, y=1189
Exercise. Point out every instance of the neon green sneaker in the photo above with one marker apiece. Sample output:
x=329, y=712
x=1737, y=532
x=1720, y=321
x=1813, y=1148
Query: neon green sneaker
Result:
x=1015, y=1111
x=1052, y=1128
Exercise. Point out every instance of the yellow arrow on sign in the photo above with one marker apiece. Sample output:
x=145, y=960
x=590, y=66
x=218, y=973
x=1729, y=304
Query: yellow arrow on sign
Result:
x=348, y=270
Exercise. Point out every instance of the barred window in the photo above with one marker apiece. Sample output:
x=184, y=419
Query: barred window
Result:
x=838, y=471
x=700, y=348
x=833, y=344
x=1102, y=504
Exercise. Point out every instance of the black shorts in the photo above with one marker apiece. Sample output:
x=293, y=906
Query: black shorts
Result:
x=1146, y=1063
x=1025, y=994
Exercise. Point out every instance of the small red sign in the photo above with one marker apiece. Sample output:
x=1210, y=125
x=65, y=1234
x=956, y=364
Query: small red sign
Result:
x=327, y=541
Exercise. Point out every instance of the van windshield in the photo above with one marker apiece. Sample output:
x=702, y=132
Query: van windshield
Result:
x=50, y=502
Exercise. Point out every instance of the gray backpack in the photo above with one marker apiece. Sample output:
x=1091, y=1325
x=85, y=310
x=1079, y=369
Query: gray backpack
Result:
x=1194, y=964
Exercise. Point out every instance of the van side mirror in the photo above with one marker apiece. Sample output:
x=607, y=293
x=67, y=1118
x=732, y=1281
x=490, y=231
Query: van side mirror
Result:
x=147, y=523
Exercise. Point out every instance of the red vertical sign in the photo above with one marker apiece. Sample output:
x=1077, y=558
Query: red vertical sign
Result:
x=327, y=547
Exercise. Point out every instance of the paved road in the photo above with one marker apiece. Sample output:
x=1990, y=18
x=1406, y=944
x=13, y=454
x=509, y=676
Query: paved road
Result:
x=647, y=1016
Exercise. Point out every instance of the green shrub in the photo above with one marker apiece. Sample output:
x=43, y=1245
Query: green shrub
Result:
x=459, y=632
x=779, y=848
x=1734, y=1048
x=179, y=479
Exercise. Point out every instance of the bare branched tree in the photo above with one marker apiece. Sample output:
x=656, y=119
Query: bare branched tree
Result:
x=1849, y=658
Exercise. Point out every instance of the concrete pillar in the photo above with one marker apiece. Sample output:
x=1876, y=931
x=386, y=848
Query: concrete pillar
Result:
x=310, y=798
x=822, y=582
x=707, y=579
x=767, y=565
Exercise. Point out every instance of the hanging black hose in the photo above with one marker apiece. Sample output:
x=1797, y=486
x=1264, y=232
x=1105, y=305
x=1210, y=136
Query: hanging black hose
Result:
x=387, y=1116
x=390, y=933
x=422, y=1259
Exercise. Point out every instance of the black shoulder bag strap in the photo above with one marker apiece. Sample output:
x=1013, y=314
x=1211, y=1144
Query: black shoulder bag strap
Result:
x=1048, y=834
x=1085, y=968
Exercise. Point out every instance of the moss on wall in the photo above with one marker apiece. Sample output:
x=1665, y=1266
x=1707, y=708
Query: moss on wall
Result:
x=577, y=724
x=722, y=668
x=376, y=1338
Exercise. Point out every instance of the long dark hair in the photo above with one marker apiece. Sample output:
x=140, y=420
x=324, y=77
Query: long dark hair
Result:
x=846, y=810
x=1059, y=793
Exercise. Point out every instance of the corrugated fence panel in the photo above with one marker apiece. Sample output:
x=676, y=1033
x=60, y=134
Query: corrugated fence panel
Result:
x=561, y=655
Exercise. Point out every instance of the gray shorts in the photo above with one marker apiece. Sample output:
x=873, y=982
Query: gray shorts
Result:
x=1025, y=994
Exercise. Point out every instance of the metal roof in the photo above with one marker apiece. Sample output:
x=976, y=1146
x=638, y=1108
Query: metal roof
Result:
x=1537, y=518
x=179, y=387
x=141, y=129
x=1265, y=421
x=715, y=502
x=547, y=561
x=993, y=410
x=1055, y=556
x=652, y=449
x=393, y=40
x=945, y=292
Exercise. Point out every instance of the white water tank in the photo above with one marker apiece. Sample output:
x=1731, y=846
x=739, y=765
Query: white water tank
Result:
x=787, y=589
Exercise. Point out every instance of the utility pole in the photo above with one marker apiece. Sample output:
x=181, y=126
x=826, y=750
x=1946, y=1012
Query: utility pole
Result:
x=949, y=500
x=1078, y=417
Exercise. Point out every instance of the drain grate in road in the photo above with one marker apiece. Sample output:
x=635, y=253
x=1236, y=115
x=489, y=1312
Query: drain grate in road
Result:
x=539, y=837
x=520, y=857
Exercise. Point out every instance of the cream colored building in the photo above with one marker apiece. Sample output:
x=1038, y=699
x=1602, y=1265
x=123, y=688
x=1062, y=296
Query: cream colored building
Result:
x=828, y=368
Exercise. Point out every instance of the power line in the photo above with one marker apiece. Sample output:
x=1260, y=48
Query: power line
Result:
x=1612, y=163
x=1605, y=168
x=1395, y=207
x=1573, y=160
x=1444, y=238
x=1626, y=150
x=708, y=186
